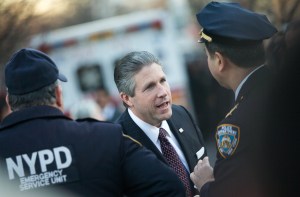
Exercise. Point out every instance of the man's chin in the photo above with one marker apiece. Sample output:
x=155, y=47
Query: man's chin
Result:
x=166, y=115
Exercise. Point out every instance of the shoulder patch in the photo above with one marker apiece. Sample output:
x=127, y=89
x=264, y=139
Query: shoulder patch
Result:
x=127, y=136
x=227, y=138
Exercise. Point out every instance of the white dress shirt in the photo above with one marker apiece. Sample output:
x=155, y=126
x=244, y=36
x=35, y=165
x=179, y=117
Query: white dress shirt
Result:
x=152, y=132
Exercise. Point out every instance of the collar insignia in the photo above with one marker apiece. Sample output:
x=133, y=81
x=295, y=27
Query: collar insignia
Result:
x=232, y=110
x=235, y=107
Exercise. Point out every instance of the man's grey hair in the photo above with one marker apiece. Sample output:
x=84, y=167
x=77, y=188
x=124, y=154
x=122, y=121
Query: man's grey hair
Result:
x=43, y=96
x=129, y=66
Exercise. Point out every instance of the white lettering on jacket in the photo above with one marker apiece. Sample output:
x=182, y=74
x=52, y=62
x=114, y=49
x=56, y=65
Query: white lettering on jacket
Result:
x=46, y=157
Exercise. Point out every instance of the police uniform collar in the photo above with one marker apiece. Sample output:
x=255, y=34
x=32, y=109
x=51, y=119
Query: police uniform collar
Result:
x=258, y=77
x=31, y=113
x=244, y=80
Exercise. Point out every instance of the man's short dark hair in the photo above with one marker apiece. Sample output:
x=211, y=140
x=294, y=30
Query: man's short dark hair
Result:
x=249, y=55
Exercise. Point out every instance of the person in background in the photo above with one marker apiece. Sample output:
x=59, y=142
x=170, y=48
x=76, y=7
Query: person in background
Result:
x=233, y=40
x=167, y=130
x=42, y=150
x=86, y=108
x=110, y=111
x=283, y=58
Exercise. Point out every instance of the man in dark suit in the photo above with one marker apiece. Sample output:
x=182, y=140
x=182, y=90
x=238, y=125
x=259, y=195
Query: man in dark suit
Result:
x=146, y=94
x=42, y=150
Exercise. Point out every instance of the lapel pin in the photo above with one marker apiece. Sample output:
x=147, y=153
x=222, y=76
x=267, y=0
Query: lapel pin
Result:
x=181, y=130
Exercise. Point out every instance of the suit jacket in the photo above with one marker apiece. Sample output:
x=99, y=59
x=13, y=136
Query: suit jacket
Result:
x=190, y=140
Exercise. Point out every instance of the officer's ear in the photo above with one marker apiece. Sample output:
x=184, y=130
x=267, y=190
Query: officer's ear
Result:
x=7, y=103
x=59, y=97
x=126, y=99
x=220, y=60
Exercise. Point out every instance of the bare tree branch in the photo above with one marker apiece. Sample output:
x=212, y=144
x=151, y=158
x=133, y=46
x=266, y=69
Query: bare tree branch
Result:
x=293, y=10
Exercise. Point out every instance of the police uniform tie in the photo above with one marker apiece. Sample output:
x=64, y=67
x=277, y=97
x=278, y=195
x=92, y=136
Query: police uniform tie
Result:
x=173, y=160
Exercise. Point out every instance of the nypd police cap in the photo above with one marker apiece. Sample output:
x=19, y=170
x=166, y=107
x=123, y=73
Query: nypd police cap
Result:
x=29, y=70
x=230, y=22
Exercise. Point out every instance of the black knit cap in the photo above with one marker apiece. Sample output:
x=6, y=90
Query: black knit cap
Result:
x=29, y=70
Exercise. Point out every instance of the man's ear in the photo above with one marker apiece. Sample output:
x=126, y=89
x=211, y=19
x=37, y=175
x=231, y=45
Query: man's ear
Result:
x=7, y=102
x=59, y=97
x=126, y=99
x=220, y=61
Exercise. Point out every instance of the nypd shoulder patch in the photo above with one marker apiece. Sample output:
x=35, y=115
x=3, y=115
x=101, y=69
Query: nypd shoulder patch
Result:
x=227, y=137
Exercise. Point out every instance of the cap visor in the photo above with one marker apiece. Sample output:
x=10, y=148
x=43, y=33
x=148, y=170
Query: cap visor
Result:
x=62, y=77
x=201, y=40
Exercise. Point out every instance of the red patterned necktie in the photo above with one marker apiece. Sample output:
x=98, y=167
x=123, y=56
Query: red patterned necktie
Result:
x=173, y=160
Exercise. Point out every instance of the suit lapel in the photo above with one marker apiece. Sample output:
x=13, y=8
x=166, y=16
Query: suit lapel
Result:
x=131, y=129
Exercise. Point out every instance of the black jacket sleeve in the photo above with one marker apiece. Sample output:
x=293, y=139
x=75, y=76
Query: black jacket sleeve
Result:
x=145, y=175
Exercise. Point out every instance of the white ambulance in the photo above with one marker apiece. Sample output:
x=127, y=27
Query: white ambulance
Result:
x=86, y=53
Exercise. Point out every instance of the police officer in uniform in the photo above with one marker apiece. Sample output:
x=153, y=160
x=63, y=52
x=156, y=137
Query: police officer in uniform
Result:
x=233, y=39
x=42, y=150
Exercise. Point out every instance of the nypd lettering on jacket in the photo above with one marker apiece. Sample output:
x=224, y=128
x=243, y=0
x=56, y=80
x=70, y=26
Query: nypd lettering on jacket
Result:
x=227, y=137
x=41, y=168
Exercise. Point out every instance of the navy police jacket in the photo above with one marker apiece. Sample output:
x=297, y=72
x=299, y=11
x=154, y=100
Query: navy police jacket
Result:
x=42, y=150
x=241, y=142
